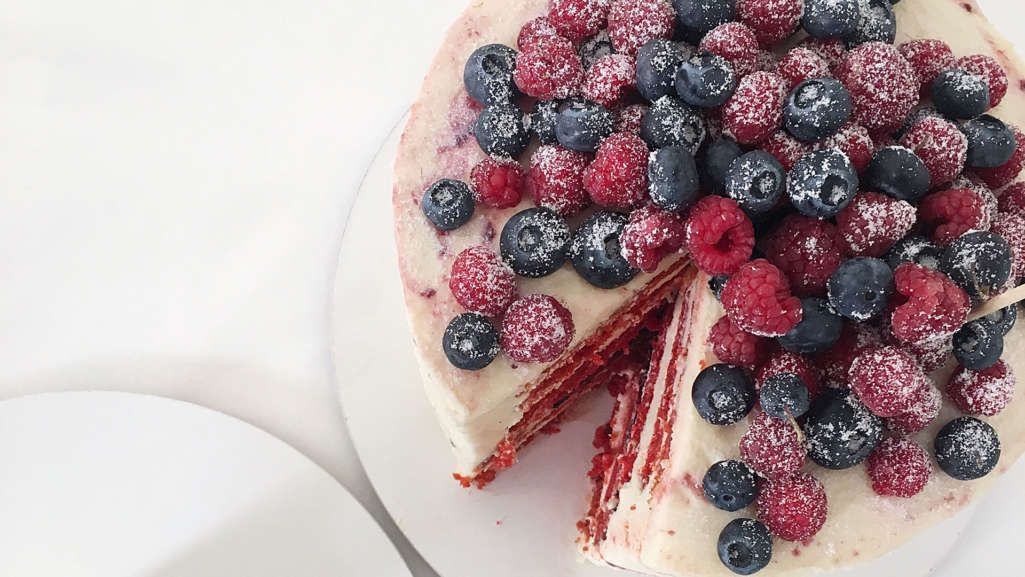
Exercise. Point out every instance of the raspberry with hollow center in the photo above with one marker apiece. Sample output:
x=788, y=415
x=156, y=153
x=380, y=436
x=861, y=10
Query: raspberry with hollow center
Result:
x=950, y=213
x=550, y=70
x=985, y=392
x=755, y=110
x=783, y=361
x=578, y=19
x=935, y=307
x=719, y=236
x=481, y=282
x=987, y=68
x=610, y=79
x=787, y=149
x=557, y=179
x=736, y=43
x=651, y=235
x=1007, y=172
x=928, y=57
x=771, y=20
x=632, y=23
x=882, y=83
x=533, y=31
x=772, y=447
x=800, y=64
x=757, y=298
x=1012, y=228
x=807, y=250
x=886, y=380
x=1012, y=199
x=536, y=329
x=498, y=183
x=734, y=346
x=941, y=146
x=899, y=467
x=874, y=222
x=793, y=508
x=853, y=140
x=618, y=176
x=925, y=407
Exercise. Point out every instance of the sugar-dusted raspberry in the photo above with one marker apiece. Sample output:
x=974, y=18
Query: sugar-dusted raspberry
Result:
x=985, y=392
x=734, y=346
x=557, y=179
x=618, y=177
x=481, y=282
x=991, y=206
x=498, y=183
x=651, y=235
x=941, y=146
x=800, y=64
x=1011, y=227
x=632, y=23
x=935, y=307
x=736, y=43
x=1012, y=199
x=536, y=329
x=610, y=79
x=629, y=118
x=755, y=110
x=835, y=364
x=925, y=407
x=787, y=149
x=853, y=140
x=533, y=31
x=930, y=355
x=578, y=19
x=757, y=298
x=872, y=223
x=950, y=213
x=550, y=70
x=899, y=467
x=832, y=50
x=928, y=57
x=886, y=380
x=783, y=361
x=772, y=447
x=807, y=250
x=989, y=70
x=719, y=236
x=1009, y=171
x=882, y=83
x=794, y=508
x=771, y=20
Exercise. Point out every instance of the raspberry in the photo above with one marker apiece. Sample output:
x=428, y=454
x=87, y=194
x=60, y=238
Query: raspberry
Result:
x=950, y=213
x=536, y=329
x=498, y=183
x=883, y=85
x=650, y=236
x=481, y=282
x=736, y=347
x=899, y=467
x=1012, y=199
x=533, y=31
x=557, y=179
x=550, y=70
x=930, y=355
x=991, y=206
x=610, y=79
x=800, y=64
x=941, y=146
x=853, y=140
x=719, y=236
x=736, y=43
x=629, y=118
x=989, y=70
x=935, y=307
x=925, y=407
x=786, y=362
x=832, y=50
x=578, y=19
x=807, y=250
x=787, y=149
x=873, y=223
x=772, y=447
x=1012, y=228
x=771, y=20
x=1006, y=173
x=886, y=379
x=985, y=392
x=794, y=508
x=928, y=57
x=835, y=363
x=755, y=110
x=757, y=298
x=618, y=177
x=632, y=23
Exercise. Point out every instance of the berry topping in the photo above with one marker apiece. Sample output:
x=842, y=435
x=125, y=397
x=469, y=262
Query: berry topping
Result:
x=470, y=342
x=536, y=329
x=448, y=204
x=877, y=23
x=672, y=178
x=836, y=362
x=534, y=242
x=723, y=394
x=925, y=407
x=1011, y=227
x=786, y=362
x=898, y=172
x=557, y=179
x=757, y=298
x=983, y=392
x=931, y=355
x=501, y=132
x=917, y=250
x=832, y=50
x=822, y=183
x=488, y=74
x=533, y=32
x=542, y=121
x=1007, y=172
x=618, y=177
x=719, y=236
x=967, y=449
x=756, y=108
x=730, y=485
x=886, y=380
x=582, y=125
x=651, y=235
x=1003, y=319
x=717, y=158
x=883, y=85
x=818, y=330
x=899, y=467
x=860, y=289
x=785, y=148
x=736, y=43
x=745, y=546
x=941, y=146
x=594, y=49
x=794, y=508
x=578, y=19
x=671, y=122
x=773, y=447
x=550, y=69
x=840, y=431
x=705, y=80
x=853, y=140
x=874, y=222
x=830, y=18
x=979, y=262
x=629, y=118
x=978, y=345
x=657, y=62
x=596, y=252
x=800, y=64
x=935, y=307
x=498, y=183
x=632, y=23
x=610, y=79
x=990, y=71
x=928, y=57
x=991, y=143
x=756, y=181
x=1012, y=199
x=817, y=109
x=959, y=94
x=951, y=213
x=481, y=282
x=697, y=17
x=807, y=250
x=771, y=20
x=784, y=396
x=733, y=346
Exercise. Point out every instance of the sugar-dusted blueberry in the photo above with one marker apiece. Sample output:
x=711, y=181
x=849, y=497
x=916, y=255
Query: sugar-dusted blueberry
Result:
x=784, y=395
x=822, y=183
x=745, y=546
x=581, y=125
x=657, y=62
x=991, y=143
x=716, y=284
x=830, y=18
x=979, y=262
x=1003, y=319
x=673, y=178
x=817, y=109
x=860, y=288
x=534, y=242
x=470, y=342
x=671, y=122
x=697, y=17
x=596, y=252
x=705, y=80
x=967, y=449
x=818, y=330
x=501, y=131
x=448, y=204
x=756, y=181
x=959, y=94
x=730, y=485
x=915, y=249
x=488, y=74
x=876, y=23
x=841, y=432
x=716, y=159
x=723, y=394
x=542, y=120
x=898, y=172
x=978, y=345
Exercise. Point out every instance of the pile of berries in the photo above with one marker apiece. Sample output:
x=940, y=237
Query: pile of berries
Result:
x=844, y=195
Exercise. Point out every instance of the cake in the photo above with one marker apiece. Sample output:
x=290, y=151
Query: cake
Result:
x=599, y=259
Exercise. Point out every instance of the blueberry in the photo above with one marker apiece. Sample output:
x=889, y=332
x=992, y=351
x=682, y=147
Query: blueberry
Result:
x=822, y=183
x=470, y=342
x=542, y=120
x=582, y=125
x=488, y=74
x=448, y=204
x=673, y=178
x=501, y=131
x=595, y=48
x=670, y=122
x=697, y=17
x=1004, y=319
x=705, y=80
x=596, y=253
x=716, y=284
x=978, y=345
x=840, y=431
x=784, y=395
x=860, y=288
x=898, y=172
x=818, y=330
x=745, y=546
x=756, y=181
x=534, y=242
x=730, y=485
x=715, y=163
x=876, y=23
x=991, y=143
x=657, y=62
x=959, y=94
x=817, y=109
x=723, y=394
x=967, y=448
x=830, y=18
x=979, y=262
x=916, y=249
